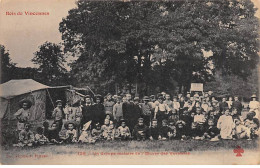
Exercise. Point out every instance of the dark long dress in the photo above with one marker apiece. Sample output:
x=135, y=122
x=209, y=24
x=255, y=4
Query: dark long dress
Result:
x=131, y=113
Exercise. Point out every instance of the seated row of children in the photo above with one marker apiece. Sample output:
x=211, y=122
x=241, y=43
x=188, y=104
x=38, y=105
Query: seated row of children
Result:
x=227, y=127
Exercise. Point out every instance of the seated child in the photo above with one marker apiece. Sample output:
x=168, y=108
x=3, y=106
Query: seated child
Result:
x=181, y=132
x=226, y=125
x=40, y=139
x=241, y=131
x=212, y=132
x=212, y=117
x=123, y=131
x=172, y=133
x=85, y=136
x=199, y=117
x=140, y=130
x=165, y=131
x=71, y=133
x=26, y=136
x=108, y=130
x=154, y=131
x=196, y=132
x=97, y=132
x=253, y=124
x=54, y=133
x=187, y=118
x=46, y=129
x=235, y=115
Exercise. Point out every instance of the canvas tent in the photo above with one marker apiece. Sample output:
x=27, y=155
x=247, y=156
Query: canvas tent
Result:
x=13, y=91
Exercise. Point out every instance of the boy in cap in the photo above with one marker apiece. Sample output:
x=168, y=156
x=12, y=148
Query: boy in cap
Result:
x=109, y=103
x=161, y=111
x=23, y=114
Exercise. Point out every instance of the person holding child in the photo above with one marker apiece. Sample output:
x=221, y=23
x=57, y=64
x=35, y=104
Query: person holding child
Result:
x=26, y=136
x=23, y=114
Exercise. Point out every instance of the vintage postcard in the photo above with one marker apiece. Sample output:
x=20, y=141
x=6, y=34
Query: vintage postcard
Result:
x=154, y=82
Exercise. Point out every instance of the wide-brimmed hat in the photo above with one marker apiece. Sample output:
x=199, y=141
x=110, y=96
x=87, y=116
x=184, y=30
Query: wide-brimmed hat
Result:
x=136, y=99
x=25, y=101
x=253, y=96
x=146, y=98
x=180, y=122
x=70, y=122
x=58, y=101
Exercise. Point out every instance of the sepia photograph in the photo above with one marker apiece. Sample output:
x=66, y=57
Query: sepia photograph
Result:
x=129, y=82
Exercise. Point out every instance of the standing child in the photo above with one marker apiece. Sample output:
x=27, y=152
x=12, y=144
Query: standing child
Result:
x=58, y=114
x=140, y=130
x=161, y=111
x=123, y=131
x=154, y=131
x=226, y=125
x=40, y=139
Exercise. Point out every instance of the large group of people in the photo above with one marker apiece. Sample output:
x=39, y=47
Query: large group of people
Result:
x=157, y=117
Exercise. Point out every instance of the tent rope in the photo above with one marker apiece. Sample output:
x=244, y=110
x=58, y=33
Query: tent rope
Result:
x=91, y=91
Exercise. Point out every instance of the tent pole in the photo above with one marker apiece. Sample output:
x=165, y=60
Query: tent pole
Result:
x=50, y=98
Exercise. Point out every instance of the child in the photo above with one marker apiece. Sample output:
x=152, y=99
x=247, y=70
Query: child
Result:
x=195, y=132
x=154, y=131
x=212, y=132
x=172, y=133
x=235, y=115
x=71, y=133
x=199, y=118
x=108, y=130
x=85, y=136
x=165, y=132
x=40, y=139
x=58, y=114
x=176, y=104
x=226, y=125
x=54, y=133
x=252, y=123
x=26, y=136
x=97, y=132
x=161, y=111
x=123, y=131
x=241, y=131
x=181, y=132
x=140, y=130
x=212, y=117
x=46, y=129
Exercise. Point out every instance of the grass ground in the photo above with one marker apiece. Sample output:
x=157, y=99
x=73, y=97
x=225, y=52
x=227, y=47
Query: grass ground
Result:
x=18, y=155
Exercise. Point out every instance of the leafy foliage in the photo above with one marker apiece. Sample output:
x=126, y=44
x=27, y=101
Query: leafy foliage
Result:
x=50, y=59
x=148, y=43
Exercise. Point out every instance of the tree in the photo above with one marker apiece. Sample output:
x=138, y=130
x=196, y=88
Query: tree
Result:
x=146, y=43
x=50, y=59
x=7, y=66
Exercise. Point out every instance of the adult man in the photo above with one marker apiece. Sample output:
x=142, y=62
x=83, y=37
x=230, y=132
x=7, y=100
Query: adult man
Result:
x=128, y=108
x=87, y=110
